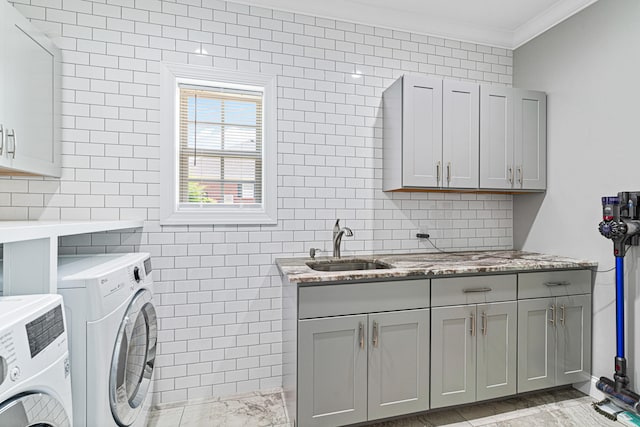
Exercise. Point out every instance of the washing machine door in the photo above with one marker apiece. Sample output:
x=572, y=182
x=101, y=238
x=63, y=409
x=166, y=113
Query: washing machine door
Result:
x=133, y=359
x=33, y=409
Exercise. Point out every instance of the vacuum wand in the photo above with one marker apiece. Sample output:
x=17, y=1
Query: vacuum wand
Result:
x=621, y=224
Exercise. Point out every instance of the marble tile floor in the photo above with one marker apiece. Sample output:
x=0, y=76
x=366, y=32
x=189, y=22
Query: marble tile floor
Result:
x=559, y=407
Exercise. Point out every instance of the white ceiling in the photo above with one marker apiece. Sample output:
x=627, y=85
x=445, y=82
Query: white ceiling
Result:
x=503, y=23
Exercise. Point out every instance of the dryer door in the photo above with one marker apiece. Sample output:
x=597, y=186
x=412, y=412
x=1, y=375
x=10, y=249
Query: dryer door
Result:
x=33, y=409
x=133, y=359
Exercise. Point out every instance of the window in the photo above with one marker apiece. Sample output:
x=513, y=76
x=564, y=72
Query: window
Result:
x=218, y=147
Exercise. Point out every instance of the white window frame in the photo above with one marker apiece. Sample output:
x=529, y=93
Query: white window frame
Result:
x=170, y=211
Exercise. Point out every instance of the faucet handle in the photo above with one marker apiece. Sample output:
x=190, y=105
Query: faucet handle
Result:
x=313, y=252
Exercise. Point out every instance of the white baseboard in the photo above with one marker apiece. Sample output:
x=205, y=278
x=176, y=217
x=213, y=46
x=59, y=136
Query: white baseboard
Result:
x=589, y=387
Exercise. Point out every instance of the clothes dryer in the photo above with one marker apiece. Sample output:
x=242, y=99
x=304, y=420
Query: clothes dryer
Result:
x=113, y=336
x=35, y=384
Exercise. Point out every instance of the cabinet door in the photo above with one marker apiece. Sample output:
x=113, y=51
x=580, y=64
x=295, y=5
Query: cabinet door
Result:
x=398, y=363
x=536, y=344
x=496, y=137
x=530, y=140
x=421, y=132
x=332, y=371
x=4, y=160
x=30, y=97
x=574, y=339
x=453, y=355
x=460, y=134
x=496, y=347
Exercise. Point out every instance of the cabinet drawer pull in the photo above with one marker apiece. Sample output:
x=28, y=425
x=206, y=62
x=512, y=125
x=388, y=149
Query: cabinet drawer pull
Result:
x=438, y=174
x=11, y=134
x=553, y=314
x=474, y=290
x=473, y=324
x=561, y=283
x=448, y=172
x=361, y=335
x=1, y=139
x=562, y=307
x=485, y=324
x=375, y=334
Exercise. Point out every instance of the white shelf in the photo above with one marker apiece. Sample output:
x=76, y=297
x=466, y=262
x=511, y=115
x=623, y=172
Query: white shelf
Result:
x=16, y=231
x=31, y=251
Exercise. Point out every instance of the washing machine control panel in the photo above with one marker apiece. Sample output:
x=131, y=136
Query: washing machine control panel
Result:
x=31, y=339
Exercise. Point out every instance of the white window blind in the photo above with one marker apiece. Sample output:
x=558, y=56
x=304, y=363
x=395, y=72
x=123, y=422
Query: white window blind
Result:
x=220, y=147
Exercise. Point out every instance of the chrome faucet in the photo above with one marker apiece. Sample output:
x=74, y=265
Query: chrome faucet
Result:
x=337, y=237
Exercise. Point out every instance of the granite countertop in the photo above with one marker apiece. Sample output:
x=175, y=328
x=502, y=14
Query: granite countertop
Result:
x=429, y=265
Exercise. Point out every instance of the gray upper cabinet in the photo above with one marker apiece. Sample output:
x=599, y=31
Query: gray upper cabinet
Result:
x=513, y=139
x=460, y=134
x=398, y=363
x=430, y=134
x=332, y=371
x=30, y=103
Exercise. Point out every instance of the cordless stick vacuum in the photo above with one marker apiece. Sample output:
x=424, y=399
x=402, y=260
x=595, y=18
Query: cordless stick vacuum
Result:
x=620, y=223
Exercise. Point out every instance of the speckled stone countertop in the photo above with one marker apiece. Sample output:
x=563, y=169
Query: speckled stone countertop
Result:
x=429, y=265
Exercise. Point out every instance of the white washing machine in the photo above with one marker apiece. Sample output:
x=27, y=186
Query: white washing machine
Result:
x=113, y=334
x=35, y=386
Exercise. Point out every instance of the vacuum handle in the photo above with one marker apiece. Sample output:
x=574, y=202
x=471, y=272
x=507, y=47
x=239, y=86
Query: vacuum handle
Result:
x=553, y=314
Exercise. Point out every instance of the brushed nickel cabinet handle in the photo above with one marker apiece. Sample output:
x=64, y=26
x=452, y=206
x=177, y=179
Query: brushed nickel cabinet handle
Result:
x=519, y=173
x=11, y=134
x=375, y=334
x=438, y=173
x=361, y=334
x=562, y=307
x=553, y=314
x=1, y=139
x=561, y=283
x=474, y=290
x=473, y=324
x=485, y=324
x=448, y=172
x=510, y=174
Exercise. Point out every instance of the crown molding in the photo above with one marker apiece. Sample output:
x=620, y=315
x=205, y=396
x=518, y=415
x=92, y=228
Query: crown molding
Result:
x=548, y=19
x=359, y=12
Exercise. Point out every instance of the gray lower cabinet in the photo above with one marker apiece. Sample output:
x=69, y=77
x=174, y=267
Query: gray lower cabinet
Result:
x=473, y=353
x=362, y=367
x=554, y=341
x=398, y=363
x=332, y=371
x=362, y=351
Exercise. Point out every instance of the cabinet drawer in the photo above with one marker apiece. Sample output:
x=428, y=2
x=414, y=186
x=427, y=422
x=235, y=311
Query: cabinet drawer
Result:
x=471, y=290
x=353, y=298
x=554, y=283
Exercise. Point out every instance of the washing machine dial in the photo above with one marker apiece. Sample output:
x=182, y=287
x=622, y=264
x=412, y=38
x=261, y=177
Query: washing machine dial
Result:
x=3, y=369
x=15, y=373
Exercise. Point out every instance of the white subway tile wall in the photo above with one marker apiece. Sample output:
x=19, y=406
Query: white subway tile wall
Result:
x=217, y=289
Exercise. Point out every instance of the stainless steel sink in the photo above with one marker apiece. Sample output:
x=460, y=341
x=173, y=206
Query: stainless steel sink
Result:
x=347, y=265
